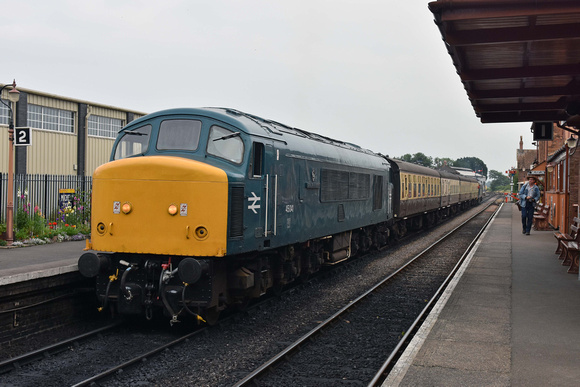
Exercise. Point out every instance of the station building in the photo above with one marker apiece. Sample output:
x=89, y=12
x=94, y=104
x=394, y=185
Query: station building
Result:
x=68, y=136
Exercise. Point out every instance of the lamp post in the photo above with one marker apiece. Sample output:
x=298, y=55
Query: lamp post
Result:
x=13, y=97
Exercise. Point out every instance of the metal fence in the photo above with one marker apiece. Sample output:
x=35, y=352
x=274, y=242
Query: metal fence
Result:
x=43, y=191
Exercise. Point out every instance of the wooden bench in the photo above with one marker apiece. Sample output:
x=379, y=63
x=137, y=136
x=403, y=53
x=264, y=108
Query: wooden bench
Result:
x=560, y=236
x=571, y=251
x=541, y=218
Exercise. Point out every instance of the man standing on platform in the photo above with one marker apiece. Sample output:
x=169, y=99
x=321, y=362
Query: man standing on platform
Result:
x=529, y=195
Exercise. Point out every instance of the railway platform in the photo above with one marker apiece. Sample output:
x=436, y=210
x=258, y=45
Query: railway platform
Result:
x=512, y=319
x=35, y=262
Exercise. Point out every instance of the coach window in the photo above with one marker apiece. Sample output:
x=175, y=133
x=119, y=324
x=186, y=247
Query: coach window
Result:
x=179, y=135
x=419, y=192
x=133, y=142
x=225, y=144
x=257, y=159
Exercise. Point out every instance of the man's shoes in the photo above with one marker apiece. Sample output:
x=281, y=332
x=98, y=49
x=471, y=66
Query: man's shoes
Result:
x=527, y=233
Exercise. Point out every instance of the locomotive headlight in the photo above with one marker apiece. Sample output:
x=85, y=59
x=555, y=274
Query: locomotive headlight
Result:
x=172, y=209
x=126, y=208
x=101, y=228
x=201, y=233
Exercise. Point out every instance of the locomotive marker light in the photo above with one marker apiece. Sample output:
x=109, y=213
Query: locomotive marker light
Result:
x=13, y=96
x=126, y=208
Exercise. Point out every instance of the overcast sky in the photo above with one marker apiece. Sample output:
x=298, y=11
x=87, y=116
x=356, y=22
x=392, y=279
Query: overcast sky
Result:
x=375, y=73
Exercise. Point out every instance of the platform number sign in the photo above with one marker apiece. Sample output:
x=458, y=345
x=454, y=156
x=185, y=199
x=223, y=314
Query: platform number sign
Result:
x=22, y=137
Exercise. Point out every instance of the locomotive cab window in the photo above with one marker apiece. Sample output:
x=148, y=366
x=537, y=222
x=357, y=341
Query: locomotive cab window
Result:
x=225, y=144
x=257, y=167
x=179, y=135
x=133, y=142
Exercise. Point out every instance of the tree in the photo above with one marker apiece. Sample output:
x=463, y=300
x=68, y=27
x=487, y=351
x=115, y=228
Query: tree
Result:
x=422, y=159
x=499, y=181
x=439, y=162
x=472, y=163
x=418, y=158
x=407, y=157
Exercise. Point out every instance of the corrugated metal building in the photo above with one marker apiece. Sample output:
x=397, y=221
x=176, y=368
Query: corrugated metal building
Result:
x=69, y=136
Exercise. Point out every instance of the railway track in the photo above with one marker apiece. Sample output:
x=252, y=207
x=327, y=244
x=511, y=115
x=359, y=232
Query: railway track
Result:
x=53, y=349
x=328, y=354
x=100, y=352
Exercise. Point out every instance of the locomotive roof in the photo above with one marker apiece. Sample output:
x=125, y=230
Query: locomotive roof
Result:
x=413, y=168
x=255, y=125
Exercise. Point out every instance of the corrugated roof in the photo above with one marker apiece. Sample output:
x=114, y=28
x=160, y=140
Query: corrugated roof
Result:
x=518, y=60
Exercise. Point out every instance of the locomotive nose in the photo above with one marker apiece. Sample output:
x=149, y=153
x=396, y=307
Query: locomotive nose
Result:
x=160, y=205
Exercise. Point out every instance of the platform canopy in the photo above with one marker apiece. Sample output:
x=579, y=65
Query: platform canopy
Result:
x=519, y=60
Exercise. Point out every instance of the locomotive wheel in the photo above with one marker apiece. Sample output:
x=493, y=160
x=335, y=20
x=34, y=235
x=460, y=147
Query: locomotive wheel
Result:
x=276, y=289
x=211, y=316
x=242, y=304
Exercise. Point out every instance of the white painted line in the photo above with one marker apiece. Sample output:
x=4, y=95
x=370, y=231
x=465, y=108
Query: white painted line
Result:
x=10, y=279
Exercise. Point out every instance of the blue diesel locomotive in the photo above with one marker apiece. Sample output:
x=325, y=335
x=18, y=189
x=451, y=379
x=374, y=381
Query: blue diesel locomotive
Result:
x=204, y=209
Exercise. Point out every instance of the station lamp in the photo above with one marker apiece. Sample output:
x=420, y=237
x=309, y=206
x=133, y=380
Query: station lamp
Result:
x=13, y=97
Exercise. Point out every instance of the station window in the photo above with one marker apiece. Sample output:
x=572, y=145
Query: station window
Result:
x=4, y=113
x=42, y=117
x=100, y=126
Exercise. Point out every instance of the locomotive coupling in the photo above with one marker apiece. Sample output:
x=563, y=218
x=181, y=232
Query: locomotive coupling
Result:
x=90, y=264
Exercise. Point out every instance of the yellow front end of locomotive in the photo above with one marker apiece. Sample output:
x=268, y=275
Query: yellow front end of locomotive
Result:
x=160, y=205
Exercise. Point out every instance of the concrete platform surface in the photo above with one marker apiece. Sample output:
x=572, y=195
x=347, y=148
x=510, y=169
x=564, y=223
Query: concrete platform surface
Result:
x=26, y=263
x=512, y=318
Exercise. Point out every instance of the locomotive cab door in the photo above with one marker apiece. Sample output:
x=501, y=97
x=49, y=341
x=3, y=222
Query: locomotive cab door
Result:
x=262, y=192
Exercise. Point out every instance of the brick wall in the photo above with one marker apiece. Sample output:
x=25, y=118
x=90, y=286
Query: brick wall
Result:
x=574, y=185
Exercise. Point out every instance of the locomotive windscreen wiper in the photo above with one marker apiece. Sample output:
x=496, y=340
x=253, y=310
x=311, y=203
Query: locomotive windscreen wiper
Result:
x=227, y=136
x=134, y=133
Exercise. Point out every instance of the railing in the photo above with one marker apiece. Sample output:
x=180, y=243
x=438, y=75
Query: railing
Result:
x=42, y=191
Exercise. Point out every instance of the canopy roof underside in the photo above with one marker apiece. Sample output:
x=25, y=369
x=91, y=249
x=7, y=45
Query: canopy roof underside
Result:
x=518, y=60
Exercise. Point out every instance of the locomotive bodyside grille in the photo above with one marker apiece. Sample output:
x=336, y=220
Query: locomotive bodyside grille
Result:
x=237, y=212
